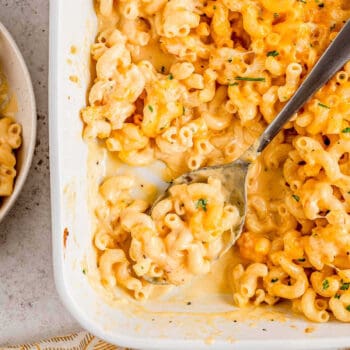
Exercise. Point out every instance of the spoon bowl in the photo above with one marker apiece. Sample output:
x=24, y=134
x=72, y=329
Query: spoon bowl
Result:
x=233, y=180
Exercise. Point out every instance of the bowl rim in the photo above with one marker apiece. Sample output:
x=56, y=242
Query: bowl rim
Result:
x=27, y=161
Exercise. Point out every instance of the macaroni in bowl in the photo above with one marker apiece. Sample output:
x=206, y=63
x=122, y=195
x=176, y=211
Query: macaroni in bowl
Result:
x=10, y=140
x=194, y=83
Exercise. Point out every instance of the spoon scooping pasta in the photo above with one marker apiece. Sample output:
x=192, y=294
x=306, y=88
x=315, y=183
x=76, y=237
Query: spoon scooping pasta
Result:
x=213, y=199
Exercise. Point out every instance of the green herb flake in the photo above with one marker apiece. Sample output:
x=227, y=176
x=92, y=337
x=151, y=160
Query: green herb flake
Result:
x=325, y=284
x=297, y=198
x=345, y=286
x=276, y=15
x=348, y=308
x=346, y=130
x=273, y=53
x=84, y=271
x=202, y=204
x=337, y=296
x=183, y=110
x=233, y=84
x=323, y=105
x=214, y=7
x=302, y=259
x=150, y=108
x=249, y=79
x=171, y=77
x=274, y=280
x=303, y=1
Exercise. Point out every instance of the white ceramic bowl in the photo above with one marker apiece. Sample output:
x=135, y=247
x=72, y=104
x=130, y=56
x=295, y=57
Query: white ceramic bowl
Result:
x=16, y=72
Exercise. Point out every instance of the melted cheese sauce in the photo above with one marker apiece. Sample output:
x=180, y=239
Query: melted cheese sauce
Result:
x=271, y=185
x=11, y=107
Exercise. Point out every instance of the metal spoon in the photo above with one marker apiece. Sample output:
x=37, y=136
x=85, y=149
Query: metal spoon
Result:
x=233, y=175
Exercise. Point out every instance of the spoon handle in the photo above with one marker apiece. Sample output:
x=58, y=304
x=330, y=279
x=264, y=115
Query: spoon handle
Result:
x=337, y=54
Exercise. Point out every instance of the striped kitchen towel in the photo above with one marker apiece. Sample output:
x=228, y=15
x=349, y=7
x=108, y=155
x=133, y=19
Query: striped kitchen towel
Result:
x=75, y=341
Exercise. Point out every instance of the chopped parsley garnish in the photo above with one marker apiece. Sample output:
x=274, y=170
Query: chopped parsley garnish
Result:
x=297, y=198
x=84, y=271
x=337, y=296
x=302, y=259
x=249, y=79
x=150, y=108
x=276, y=15
x=345, y=286
x=325, y=284
x=171, y=77
x=323, y=105
x=346, y=130
x=274, y=280
x=183, y=110
x=348, y=308
x=202, y=204
x=214, y=7
x=273, y=53
x=233, y=84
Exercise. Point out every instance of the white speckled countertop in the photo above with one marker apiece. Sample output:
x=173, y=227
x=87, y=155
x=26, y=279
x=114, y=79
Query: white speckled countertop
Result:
x=29, y=305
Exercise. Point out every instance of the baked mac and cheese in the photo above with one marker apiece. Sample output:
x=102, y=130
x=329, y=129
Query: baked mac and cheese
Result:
x=194, y=83
x=10, y=140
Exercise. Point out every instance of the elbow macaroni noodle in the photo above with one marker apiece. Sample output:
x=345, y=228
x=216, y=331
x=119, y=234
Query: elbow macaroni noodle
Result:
x=193, y=83
x=10, y=140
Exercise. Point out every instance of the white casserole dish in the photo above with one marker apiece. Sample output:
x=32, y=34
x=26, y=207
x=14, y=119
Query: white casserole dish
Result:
x=73, y=23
